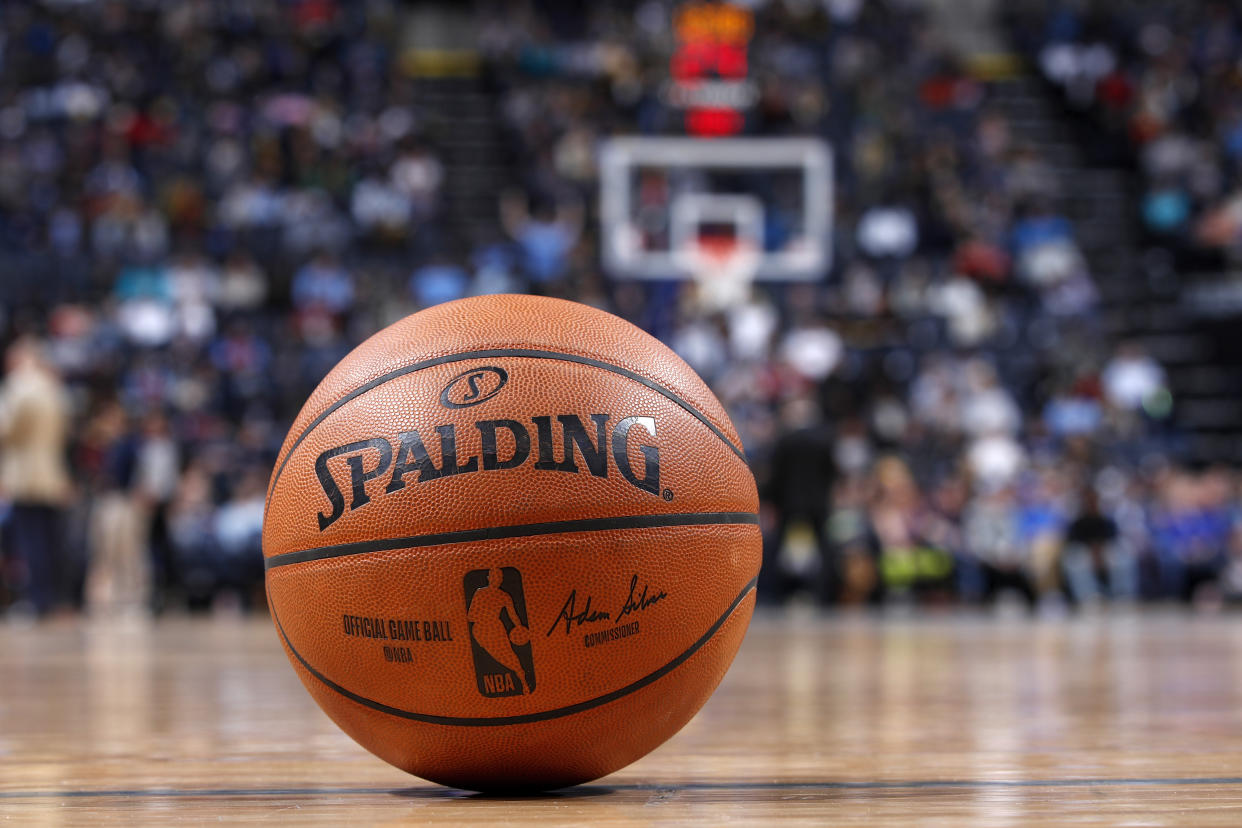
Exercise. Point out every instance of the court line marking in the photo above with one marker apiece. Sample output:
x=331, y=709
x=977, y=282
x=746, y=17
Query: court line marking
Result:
x=455, y=793
x=521, y=530
x=488, y=353
x=525, y=718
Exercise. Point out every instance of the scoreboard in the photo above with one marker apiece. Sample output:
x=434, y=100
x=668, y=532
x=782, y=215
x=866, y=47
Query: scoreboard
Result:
x=709, y=72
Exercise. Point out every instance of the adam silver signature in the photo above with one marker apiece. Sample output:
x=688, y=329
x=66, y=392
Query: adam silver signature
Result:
x=635, y=601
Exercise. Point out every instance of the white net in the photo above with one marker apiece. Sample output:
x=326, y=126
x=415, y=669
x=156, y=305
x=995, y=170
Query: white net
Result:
x=723, y=270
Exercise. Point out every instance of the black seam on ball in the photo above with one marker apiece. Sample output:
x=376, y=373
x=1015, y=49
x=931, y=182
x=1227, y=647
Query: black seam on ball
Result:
x=521, y=530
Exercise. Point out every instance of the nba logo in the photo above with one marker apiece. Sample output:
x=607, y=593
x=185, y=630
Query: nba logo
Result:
x=499, y=633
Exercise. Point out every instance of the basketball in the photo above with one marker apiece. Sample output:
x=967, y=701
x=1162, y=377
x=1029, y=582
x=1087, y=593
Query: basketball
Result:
x=511, y=542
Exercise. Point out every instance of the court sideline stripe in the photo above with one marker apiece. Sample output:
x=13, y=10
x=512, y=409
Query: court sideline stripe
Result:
x=453, y=793
x=521, y=530
x=525, y=718
x=522, y=353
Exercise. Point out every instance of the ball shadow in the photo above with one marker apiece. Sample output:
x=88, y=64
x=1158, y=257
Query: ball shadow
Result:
x=578, y=792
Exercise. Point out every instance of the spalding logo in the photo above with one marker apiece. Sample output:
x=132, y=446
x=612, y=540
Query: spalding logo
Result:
x=408, y=457
x=474, y=386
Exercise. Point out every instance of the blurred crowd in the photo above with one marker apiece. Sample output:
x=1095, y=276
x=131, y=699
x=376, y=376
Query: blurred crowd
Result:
x=204, y=205
x=1160, y=79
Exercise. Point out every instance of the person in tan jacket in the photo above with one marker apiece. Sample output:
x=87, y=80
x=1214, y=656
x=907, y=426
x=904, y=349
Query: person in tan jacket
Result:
x=34, y=472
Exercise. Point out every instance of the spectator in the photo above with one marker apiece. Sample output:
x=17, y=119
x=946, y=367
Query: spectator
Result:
x=904, y=529
x=118, y=571
x=885, y=232
x=802, y=475
x=238, y=531
x=812, y=349
x=323, y=284
x=157, y=466
x=417, y=175
x=145, y=310
x=965, y=308
x=1190, y=529
x=243, y=285
x=1096, y=564
x=438, y=281
x=34, y=432
x=194, y=286
x=987, y=408
x=191, y=529
x=1131, y=378
x=380, y=208
x=989, y=534
x=545, y=234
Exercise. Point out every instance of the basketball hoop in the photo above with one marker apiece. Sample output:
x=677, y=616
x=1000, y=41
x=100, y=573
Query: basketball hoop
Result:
x=722, y=267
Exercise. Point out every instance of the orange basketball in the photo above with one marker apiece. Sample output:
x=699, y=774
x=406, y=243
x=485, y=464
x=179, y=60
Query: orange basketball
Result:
x=511, y=463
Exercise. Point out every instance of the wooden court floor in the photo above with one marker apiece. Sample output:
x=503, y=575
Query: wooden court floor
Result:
x=960, y=720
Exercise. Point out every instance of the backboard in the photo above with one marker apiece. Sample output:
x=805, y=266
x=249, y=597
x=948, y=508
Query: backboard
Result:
x=660, y=195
